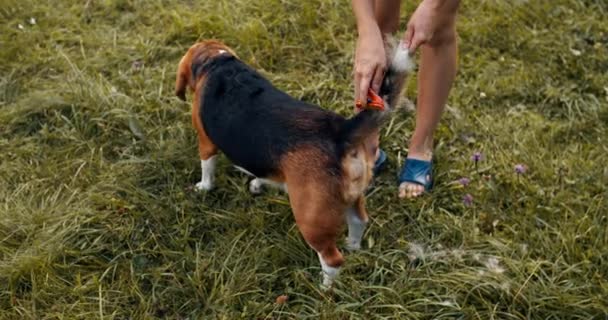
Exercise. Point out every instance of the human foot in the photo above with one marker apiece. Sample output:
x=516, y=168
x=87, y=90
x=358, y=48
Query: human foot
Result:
x=415, y=177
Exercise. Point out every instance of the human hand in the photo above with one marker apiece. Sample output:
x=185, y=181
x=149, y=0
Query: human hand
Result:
x=370, y=63
x=428, y=18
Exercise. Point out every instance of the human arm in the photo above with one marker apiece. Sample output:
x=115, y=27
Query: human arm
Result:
x=370, y=57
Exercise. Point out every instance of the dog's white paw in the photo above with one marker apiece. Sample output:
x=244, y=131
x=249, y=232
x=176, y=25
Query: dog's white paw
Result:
x=329, y=274
x=325, y=287
x=204, y=185
x=255, y=186
x=328, y=278
x=353, y=244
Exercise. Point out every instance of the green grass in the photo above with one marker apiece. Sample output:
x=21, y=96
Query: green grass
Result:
x=97, y=160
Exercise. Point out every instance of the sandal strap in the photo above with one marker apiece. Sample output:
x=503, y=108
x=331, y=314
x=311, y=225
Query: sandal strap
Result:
x=416, y=171
x=380, y=163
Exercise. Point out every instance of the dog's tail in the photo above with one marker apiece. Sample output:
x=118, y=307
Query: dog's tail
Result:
x=357, y=128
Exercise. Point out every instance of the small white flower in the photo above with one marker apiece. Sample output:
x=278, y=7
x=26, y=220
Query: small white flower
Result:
x=458, y=254
x=493, y=265
x=575, y=52
x=416, y=252
x=439, y=255
x=482, y=94
x=32, y=21
x=524, y=248
x=20, y=26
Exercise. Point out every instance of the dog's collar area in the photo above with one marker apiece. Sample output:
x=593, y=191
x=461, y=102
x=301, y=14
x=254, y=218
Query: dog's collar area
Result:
x=210, y=63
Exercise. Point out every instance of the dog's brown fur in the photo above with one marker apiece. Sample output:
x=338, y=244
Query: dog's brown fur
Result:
x=318, y=198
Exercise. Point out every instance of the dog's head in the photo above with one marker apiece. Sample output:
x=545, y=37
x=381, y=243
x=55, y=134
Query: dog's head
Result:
x=198, y=55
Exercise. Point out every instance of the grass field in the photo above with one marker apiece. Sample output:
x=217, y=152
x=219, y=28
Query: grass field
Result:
x=97, y=161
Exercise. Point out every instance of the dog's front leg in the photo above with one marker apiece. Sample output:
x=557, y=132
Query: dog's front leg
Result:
x=206, y=149
x=207, y=174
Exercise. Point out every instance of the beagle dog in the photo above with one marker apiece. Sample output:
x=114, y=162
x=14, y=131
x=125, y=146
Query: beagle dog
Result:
x=322, y=159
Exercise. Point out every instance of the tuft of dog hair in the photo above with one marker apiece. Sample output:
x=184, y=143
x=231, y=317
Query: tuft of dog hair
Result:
x=400, y=66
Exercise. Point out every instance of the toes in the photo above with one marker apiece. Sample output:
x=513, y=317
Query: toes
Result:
x=419, y=190
x=416, y=190
x=410, y=190
x=403, y=190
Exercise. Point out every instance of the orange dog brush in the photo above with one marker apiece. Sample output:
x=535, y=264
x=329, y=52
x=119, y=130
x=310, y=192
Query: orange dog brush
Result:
x=374, y=102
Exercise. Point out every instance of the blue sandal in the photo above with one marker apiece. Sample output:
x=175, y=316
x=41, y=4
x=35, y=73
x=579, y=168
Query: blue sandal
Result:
x=380, y=163
x=416, y=171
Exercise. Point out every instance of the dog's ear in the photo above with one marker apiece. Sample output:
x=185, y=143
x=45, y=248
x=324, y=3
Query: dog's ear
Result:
x=183, y=78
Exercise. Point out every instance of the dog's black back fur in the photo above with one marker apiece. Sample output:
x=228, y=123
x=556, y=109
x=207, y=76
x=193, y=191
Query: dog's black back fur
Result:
x=255, y=124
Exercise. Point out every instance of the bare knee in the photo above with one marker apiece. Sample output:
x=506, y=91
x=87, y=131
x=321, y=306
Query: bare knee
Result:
x=387, y=15
x=446, y=31
x=444, y=36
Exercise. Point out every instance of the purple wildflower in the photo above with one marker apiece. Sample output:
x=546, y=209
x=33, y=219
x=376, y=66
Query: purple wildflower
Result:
x=137, y=65
x=476, y=156
x=467, y=200
x=464, y=181
x=520, y=169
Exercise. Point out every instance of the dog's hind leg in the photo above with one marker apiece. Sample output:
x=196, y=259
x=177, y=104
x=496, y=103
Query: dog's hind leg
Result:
x=257, y=184
x=319, y=215
x=322, y=237
x=356, y=218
